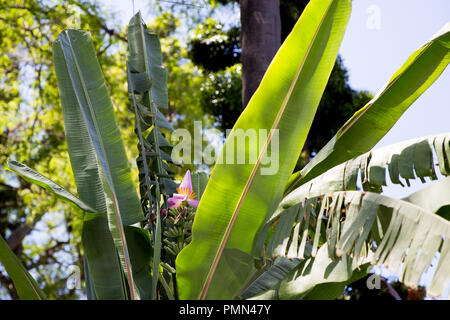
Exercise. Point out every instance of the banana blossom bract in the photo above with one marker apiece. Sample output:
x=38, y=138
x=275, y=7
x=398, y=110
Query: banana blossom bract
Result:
x=185, y=193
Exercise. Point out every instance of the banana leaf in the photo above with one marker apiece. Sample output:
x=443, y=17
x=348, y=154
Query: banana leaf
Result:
x=369, y=124
x=239, y=196
x=99, y=162
x=35, y=177
x=367, y=228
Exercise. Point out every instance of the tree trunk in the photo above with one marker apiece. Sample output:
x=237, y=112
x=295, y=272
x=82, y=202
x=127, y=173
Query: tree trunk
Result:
x=260, y=40
x=14, y=241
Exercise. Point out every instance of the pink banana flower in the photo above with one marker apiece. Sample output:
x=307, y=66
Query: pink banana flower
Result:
x=185, y=193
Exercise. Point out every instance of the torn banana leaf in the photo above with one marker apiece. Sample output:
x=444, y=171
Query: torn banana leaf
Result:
x=405, y=160
x=365, y=225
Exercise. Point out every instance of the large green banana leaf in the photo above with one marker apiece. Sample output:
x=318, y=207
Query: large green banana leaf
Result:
x=368, y=125
x=103, y=262
x=98, y=158
x=81, y=151
x=95, y=104
x=26, y=286
x=102, y=259
x=100, y=253
x=219, y=260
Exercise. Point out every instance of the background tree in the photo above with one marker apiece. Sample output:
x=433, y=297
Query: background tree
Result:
x=260, y=40
x=31, y=127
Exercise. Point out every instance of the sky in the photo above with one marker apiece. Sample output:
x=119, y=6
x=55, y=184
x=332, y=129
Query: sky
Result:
x=373, y=55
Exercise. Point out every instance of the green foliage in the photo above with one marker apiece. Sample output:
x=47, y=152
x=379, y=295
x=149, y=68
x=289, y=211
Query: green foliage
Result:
x=221, y=96
x=32, y=130
x=337, y=234
x=247, y=239
x=32, y=126
x=184, y=79
x=100, y=153
x=217, y=52
x=34, y=177
x=419, y=71
x=24, y=283
x=351, y=222
x=147, y=86
x=214, y=49
x=233, y=201
x=148, y=93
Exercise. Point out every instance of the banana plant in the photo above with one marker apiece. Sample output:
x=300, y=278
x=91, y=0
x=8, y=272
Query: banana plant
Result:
x=121, y=261
x=147, y=86
x=254, y=235
x=117, y=254
x=308, y=234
